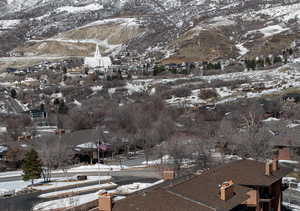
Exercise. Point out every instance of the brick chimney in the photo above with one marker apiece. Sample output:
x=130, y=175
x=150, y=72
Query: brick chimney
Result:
x=105, y=202
x=268, y=168
x=226, y=190
x=275, y=165
x=168, y=174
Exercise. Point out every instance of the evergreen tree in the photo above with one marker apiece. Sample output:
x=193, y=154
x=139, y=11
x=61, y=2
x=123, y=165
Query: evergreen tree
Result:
x=158, y=69
x=32, y=166
x=277, y=59
x=13, y=93
x=268, y=61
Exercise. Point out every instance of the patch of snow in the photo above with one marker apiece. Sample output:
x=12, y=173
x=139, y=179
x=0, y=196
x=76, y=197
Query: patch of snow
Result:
x=3, y=149
x=283, y=13
x=97, y=167
x=57, y=95
x=76, y=190
x=8, y=24
x=288, y=161
x=272, y=30
x=88, y=145
x=19, y=185
x=76, y=102
x=111, y=91
x=133, y=88
x=131, y=188
x=292, y=125
x=292, y=206
x=96, y=88
x=243, y=50
x=87, y=8
x=220, y=21
x=270, y=119
x=3, y=130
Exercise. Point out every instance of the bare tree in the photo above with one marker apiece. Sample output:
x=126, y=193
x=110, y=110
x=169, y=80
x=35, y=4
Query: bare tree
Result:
x=55, y=154
x=254, y=142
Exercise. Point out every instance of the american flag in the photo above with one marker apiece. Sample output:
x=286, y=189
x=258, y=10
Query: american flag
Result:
x=104, y=147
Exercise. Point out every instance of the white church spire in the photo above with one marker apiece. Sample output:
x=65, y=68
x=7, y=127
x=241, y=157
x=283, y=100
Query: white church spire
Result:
x=97, y=53
x=98, y=60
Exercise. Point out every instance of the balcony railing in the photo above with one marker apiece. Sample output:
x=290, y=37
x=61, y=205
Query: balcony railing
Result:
x=266, y=197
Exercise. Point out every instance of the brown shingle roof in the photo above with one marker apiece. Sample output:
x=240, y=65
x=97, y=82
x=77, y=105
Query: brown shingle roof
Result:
x=157, y=200
x=201, y=192
x=204, y=187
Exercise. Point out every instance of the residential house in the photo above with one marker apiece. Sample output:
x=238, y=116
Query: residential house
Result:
x=3, y=151
x=240, y=185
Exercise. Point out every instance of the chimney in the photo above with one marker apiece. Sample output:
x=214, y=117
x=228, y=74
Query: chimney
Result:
x=275, y=165
x=105, y=202
x=168, y=174
x=269, y=168
x=226, y=190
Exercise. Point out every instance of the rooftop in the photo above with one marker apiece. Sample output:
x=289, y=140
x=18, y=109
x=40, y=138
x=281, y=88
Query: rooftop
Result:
x=201, y=192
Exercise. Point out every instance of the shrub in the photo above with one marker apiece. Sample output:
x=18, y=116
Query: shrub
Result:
x=208, y=93
x=178, y=92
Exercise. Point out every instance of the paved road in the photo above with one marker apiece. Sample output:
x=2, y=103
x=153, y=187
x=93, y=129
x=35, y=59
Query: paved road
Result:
x=28, y=201
x=145, y=173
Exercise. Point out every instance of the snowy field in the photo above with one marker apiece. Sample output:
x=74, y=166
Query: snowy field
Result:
x=97, y=167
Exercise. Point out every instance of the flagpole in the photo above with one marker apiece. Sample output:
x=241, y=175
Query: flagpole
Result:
x=98, y=148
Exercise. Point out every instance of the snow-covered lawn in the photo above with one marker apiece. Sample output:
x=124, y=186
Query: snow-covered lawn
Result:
x=10, y=174
x=97, y=167
x=78, y=190
x=20, y=185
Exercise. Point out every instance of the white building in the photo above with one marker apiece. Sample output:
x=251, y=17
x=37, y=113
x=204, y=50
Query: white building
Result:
x=98, y=61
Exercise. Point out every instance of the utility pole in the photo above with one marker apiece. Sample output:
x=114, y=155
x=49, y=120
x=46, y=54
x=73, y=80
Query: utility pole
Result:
x=98, y=157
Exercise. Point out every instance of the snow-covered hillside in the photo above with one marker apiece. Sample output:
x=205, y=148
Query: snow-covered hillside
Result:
x=234, y=28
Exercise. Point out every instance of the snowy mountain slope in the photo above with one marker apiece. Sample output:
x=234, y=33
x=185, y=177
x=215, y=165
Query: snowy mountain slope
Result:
x=185, y=30
x=110, y=34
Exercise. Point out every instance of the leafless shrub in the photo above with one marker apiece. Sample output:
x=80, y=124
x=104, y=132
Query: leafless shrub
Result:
x=208, y=93
x=178, y=92
x=113, y=84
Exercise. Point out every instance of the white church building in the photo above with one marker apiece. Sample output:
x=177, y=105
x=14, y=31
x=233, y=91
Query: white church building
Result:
x=98, y=61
